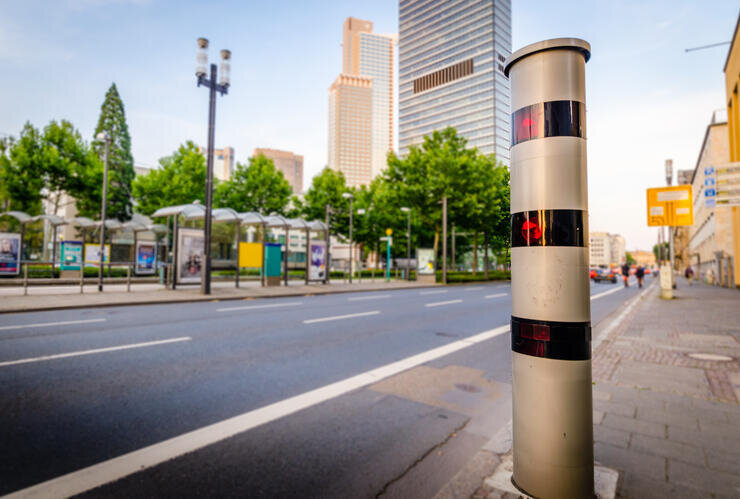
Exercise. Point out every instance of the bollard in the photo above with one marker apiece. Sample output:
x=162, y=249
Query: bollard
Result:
x=25, y=280
x=550, y=305
x=128, y=278
x=82, y=278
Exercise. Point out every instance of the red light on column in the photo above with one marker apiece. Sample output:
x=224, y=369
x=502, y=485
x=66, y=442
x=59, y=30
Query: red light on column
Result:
x=531, y=230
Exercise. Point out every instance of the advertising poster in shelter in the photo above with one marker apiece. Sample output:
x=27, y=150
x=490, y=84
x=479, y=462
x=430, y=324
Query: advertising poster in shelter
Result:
x=317, y=268
x=425, y=260
x=71, y=255
x=146, y=252
x=10, y=253
x=92, y=253
x=190, y=249
x=250, y=255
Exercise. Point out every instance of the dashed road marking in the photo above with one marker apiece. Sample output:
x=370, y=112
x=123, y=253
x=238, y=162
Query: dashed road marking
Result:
x=50, y=324
x=341, y=317
x=441, y=303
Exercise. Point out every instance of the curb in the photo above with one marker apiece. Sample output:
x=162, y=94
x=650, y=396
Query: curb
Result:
x=200, y=298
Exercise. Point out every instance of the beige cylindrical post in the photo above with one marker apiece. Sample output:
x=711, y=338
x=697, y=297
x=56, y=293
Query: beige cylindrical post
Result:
x=25, y=279
x=128, y=278
x=551, y=315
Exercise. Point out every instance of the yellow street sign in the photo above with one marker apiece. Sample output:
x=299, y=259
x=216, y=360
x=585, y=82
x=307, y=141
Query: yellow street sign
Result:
x=670, y=206
x=388, y=232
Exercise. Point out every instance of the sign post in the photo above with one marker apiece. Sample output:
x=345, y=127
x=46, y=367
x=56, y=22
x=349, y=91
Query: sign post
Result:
x=388, y=232
x=672, y=207
x=550, y=304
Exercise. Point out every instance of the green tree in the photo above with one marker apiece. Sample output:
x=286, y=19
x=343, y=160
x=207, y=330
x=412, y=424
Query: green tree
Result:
x=327, y=188
x=181, y=179
x=120, y=161
x=629, y=258
x=71, y=167
x=442, y=166
x=257, y=186
x=21, y=172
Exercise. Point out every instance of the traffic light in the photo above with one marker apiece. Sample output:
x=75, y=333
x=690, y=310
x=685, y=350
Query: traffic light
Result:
x=551, y=315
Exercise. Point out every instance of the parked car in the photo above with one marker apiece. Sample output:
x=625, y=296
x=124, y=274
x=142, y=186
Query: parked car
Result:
x=605, y=275
x=592, y=273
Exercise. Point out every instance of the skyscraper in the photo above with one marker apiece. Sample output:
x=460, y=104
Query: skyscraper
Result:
x=451, y=72
x=370, y=57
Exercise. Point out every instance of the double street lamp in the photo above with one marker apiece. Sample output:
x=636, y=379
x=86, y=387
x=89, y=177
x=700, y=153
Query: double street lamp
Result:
x=106, y=139
x=348, y=195
x=220, y=85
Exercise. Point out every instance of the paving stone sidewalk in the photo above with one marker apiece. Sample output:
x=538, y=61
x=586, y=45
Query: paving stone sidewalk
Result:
x=667, y=421
x=666, y=391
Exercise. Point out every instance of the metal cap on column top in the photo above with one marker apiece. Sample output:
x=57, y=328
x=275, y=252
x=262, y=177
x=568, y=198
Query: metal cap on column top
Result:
x=550, y=323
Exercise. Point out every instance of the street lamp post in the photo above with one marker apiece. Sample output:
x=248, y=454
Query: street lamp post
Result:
x=444, y=240
x=348, y=195
x=407, y=210
x=328, y=242
x=220, y=85
x=103, y=137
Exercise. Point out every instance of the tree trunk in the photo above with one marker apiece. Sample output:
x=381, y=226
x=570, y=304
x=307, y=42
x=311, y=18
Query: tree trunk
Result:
x=475, y=253
x=436, y=248
x=485, y=257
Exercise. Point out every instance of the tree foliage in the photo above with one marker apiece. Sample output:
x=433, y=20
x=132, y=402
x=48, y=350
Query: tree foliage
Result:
x=181, y=179
x=257, y=186
x=327, y=189
x=120, y=161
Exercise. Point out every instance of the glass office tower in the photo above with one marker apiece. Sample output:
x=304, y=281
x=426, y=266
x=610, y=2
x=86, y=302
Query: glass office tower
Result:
x=451, y=73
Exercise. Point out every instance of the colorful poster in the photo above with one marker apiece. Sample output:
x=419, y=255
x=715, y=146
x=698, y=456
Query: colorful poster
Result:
x=10, y=253
x=92, y=253
x=274, y=257
x=250, y=255
x=146, y=253
x=425, y=261
x=190, y=249
x=317, y=267
x=71, y=255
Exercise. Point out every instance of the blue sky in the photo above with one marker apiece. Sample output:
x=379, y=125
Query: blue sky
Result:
x=647, y=99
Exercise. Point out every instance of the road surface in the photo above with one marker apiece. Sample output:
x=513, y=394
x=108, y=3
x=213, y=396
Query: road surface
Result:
x=347, y=395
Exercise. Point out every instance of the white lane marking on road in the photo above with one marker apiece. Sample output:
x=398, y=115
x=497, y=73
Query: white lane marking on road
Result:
x=596, y=297
x=440, y=303
x=497, y=295
x=50, y=324
x=255, y=307
x=114, y=469
x=435, y=292
x=373, y=297
x=90, y=352
x=340, y=317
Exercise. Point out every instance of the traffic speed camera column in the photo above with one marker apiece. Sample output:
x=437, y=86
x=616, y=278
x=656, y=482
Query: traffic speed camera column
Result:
x=551, y=315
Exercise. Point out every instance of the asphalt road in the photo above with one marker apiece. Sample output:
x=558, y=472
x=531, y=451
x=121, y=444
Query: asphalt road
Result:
x=347, y=395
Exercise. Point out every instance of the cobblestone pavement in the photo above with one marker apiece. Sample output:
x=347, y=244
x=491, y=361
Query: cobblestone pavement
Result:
x=666, y=391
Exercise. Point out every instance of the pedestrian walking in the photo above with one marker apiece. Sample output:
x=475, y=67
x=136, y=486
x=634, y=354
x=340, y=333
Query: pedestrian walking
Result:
x=626, y=274
x=689, y=274
x=640, y=273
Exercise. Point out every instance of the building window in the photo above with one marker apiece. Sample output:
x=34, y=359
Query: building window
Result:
x=444, y=75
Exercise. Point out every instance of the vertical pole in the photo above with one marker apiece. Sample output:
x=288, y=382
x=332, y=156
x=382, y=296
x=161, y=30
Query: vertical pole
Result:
x=673, y=256
x=53, y=249
x=238, y=237
x=444, y=240
x=133, y=261
x=285, y=254
x=128, y=278
x=23, y=236
x=328, y=268
x=308, y=253
x=205, y=283
x=453, y=248
x=175, y=243
x=102, y=216
x=264, y=252
x=408, y=246
x=82, y=277
x=25, y=279
x=351, y=255
x=388, y=260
